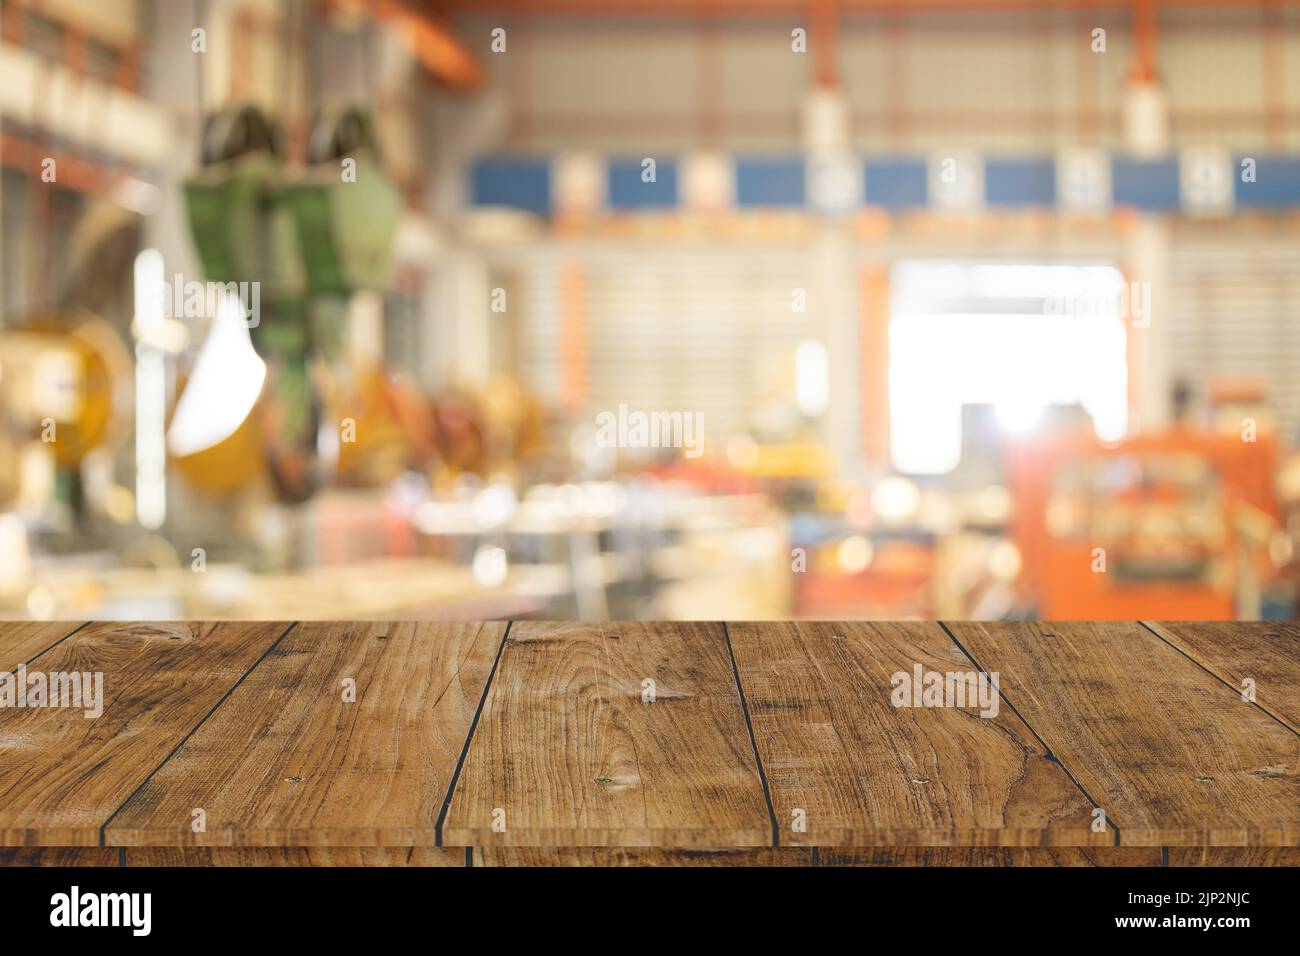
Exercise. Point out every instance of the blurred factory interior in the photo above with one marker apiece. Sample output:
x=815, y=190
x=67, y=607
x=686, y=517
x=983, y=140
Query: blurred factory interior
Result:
x=324, y=308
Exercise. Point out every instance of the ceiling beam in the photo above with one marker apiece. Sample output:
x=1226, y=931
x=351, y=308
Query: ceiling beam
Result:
x=426, y=34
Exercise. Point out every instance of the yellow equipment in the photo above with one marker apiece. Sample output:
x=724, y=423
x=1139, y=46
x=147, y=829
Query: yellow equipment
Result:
x=65, y=381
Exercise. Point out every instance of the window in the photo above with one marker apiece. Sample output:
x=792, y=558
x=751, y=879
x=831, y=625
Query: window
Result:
x=1018, y=337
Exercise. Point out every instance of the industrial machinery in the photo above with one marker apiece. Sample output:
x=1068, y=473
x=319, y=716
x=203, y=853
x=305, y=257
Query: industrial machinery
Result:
x=61, y=374
x=1163, y=525
x=306, y=240
x=62, y=396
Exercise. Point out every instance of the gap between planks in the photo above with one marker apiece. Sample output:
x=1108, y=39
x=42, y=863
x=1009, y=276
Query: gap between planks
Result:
x=1033, y=730
x=43, y=647
x=1164, y=634
x=190, y=733
x=821, y=713
x=1230, y=781
x=753, y=741
x=374, y=775
x=245, y=675
x=469, y=737
x=554, y=673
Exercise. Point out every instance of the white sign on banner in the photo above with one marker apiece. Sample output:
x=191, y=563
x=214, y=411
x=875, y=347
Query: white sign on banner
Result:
x=1206, y=182
x=956, y=180
x=708, y=182
x=579, y=183
x=834, y=183
x=1083, y=180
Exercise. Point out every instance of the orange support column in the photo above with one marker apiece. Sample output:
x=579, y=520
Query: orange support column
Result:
x=873, y=363
x=573, y=339
x=826, y=43
x=1145, y=41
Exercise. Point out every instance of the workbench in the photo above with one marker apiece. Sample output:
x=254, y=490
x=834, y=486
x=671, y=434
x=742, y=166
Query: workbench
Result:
x=641, y=743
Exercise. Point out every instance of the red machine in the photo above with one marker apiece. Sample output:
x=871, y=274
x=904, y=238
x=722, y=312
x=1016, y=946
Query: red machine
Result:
x=1148, y=527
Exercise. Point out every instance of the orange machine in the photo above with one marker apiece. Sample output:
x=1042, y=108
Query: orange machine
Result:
x=1147, y=527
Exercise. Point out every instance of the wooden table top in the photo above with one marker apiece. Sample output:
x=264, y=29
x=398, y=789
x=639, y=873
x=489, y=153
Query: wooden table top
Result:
x=382, y=738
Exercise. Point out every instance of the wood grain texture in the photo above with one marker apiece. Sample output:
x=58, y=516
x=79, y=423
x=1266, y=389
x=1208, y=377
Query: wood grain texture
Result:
x=1267, y=652
x=62, y=775
x=287, y=761
x=567, y=753
x=1234, y=856
x=1015, y=856
x=640, y=856
x=21, y=641
x=58, y=856
x=865, y=772
x=413, y=856
x=1172, y=755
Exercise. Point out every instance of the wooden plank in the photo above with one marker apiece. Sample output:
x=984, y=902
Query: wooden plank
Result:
x=1172, y=755
x=992, y=856
x=1234, y=856
x=58, y=856
x=413, y=856
x=1266, y=652
x=21, y=641
x=640, y=856
x=864, y=772
x=568, y=753
x=62, y=775
x=289, y=761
